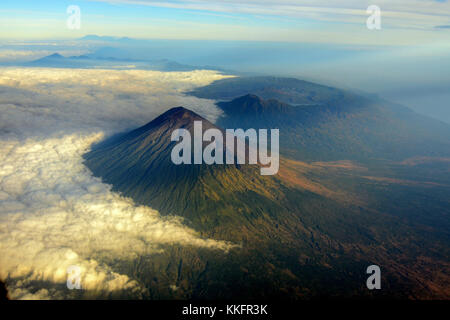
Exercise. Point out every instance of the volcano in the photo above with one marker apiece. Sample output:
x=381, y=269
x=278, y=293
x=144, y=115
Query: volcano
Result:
x=216, y=199
x=298, y=233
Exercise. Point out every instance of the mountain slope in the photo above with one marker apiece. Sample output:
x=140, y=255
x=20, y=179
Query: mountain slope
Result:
x=139, y=165
x=355, y=128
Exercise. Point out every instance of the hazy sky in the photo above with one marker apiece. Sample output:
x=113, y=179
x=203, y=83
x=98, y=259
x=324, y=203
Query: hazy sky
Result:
x=328, y=21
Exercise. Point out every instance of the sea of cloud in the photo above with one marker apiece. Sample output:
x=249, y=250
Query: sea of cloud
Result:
x=53, y=212
x=41, y=101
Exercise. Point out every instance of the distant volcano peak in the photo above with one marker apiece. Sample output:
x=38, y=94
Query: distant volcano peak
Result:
x=55, y=56
x=253, y=104
x=249, y=97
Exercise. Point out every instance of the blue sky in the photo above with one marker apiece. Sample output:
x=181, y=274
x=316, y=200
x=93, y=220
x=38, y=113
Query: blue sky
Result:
x=404, y=22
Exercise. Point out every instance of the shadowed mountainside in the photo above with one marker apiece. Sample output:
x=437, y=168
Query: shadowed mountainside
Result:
x=325, y=124
x=3, y=292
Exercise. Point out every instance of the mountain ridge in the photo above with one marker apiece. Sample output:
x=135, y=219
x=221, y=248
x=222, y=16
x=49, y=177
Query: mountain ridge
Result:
x=354, y=128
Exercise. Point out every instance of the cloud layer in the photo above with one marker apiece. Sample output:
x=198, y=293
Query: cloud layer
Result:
x=53, y=213
x=40, y=101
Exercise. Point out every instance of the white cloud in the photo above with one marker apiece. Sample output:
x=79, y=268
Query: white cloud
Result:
x=53, y=212
x=39, y=101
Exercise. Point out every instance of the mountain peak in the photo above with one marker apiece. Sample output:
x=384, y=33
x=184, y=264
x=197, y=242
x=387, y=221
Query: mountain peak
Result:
x=179, y=112
x=252, y=104
x=249, y=97
x=103, y=38
x=163, y=125
x=177, y=117
x=54, y=56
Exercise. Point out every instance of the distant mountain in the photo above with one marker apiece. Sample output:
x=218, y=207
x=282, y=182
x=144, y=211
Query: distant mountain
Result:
x=58, y=61
x=93, y=37
x=288, y=90
x=113, y=53
x=299, y=234
x=3, y=292
x=115, y=58
x=322, y=123
x=53, y=58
